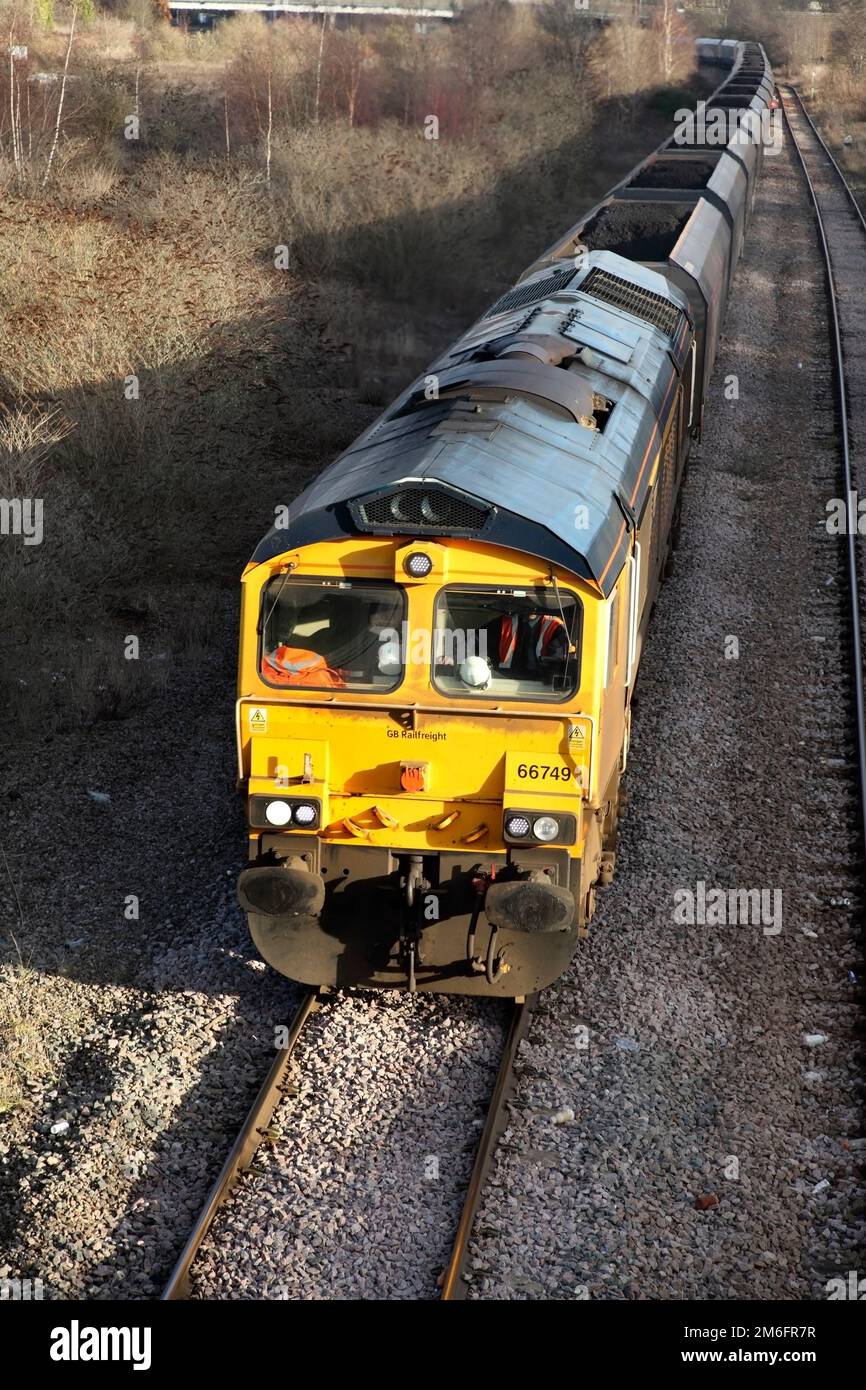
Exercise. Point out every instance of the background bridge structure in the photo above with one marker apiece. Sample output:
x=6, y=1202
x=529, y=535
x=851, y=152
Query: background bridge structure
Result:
x=199, y=14
x=204, y=14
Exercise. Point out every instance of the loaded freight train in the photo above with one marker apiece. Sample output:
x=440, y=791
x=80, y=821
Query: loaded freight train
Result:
x=438, y=656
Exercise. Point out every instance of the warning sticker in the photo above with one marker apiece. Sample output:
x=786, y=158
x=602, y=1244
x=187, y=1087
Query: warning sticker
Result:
x=258, y=720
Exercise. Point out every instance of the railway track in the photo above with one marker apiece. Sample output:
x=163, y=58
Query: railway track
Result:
x=256, y=1131
x=841, y=231
x=253, y=1133
x=454, y=1284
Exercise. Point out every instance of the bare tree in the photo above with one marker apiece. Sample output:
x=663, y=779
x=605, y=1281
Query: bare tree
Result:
x=623, y=61
x=567, y=31
x=16, y=153
x=486, y=39
x=748, y=19
x=802, y=41
x=849, y=37
x=674, y=49
x=61, y=97
x=347, y=58
x=319, y=70
x=269, y=132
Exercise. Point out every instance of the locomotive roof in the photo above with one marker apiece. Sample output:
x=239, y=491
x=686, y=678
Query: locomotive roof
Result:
x=536, y=430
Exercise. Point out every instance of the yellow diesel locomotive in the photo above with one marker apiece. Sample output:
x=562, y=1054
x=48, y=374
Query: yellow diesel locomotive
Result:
x=438, y=653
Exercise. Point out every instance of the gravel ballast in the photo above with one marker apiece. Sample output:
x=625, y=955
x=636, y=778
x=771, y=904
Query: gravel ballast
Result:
x=361, y=1195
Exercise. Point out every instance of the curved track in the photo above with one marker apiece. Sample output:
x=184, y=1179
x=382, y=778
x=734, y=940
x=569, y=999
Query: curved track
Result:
x=842, y=235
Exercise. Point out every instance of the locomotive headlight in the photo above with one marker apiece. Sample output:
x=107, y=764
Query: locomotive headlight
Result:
x=284, y=813
x=524, y=828
x=546, y=828
x=418, y=565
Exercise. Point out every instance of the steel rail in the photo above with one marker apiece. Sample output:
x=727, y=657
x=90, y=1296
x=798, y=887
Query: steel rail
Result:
x=243, y=1150
x=454, y=1284
x=846, y=187
x=847, y=471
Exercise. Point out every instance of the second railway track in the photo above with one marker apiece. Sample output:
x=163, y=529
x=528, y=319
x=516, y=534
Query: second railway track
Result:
x=842, y=235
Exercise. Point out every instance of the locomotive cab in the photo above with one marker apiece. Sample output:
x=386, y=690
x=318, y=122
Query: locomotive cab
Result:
x=416, y=739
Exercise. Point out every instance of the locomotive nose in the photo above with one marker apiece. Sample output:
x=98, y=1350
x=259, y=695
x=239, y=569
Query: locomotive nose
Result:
x=275, y=890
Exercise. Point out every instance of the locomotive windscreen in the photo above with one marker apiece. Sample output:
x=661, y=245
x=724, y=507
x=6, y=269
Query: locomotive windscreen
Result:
x=332, y=634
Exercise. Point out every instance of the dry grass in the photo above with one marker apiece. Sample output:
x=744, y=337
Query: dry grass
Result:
x=838, y=100
x=56, y=674
x=90, y=304
x=428, y=222
x=39, y=1014
x=29, y=435
x=27, y=438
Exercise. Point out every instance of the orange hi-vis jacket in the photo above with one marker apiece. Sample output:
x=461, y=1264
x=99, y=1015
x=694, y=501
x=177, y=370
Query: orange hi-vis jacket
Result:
x=542, y=629
x=297, y=666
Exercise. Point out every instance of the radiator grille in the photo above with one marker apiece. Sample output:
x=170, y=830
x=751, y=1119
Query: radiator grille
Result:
x=530, y=294
x=644, y=304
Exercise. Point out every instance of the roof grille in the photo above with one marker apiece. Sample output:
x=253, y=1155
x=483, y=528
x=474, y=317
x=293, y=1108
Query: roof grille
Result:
x=420, y=509
x=634, y=299
x=530, y=294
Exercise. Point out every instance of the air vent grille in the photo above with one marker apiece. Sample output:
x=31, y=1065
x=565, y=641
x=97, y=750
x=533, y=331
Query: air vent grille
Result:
x=420, y=509
x=644, y=304
x=530, y=294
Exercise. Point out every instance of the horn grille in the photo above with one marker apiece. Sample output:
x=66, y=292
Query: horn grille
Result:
x=420, y=509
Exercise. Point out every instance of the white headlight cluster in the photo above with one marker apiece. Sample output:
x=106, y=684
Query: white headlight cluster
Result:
x=540, y=827
x=284, y=813
x=281, y=812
